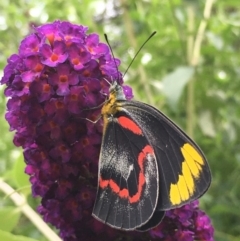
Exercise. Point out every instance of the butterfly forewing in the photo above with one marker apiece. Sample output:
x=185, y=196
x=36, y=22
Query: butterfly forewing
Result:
x=128, y=175
x=184, y=174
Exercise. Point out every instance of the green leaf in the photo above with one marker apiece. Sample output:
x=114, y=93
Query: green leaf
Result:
x=173, y=84
x=9, y=217
x=5, y=236
x=206, y=123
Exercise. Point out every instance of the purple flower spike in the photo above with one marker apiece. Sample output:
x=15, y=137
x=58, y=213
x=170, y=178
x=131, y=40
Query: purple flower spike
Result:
x=56, y=81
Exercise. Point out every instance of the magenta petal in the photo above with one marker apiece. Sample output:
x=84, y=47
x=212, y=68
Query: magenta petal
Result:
x=96, y=49
x=63, y=89
x=49, y=31
x=53, y=56
x=128, y=92
x=73, y=33
x=30, y=45
x=79, y=56
x=28, y=76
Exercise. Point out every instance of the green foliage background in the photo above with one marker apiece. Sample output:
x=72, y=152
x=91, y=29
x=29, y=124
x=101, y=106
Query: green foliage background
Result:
x=190, y=70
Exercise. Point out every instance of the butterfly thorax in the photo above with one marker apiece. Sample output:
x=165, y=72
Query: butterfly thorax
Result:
x=112, y=105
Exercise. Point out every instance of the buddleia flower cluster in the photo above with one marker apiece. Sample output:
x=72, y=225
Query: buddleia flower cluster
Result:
x=56, y=82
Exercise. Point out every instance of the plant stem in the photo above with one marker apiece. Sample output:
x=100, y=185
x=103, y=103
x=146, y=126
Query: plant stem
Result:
x=179, y=29
x=190, y=87
x=193, y=53
x=20, y=202
x=133, y=42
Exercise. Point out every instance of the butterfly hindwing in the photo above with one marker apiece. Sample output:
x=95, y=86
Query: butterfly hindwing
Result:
x=184, y=174
x=128, y=176
x=153, y=221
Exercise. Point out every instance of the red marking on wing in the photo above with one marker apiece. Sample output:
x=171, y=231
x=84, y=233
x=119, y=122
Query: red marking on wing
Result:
x=124, y=193
x=129, y=124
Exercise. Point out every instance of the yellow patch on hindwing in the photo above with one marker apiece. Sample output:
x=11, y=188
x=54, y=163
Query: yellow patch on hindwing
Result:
x=191, y=170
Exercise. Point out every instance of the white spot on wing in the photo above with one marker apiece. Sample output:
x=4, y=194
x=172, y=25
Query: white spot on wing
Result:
x=121, y=165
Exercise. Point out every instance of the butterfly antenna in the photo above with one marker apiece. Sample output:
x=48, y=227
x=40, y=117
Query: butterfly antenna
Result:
x=105, y=35
x=138, y=52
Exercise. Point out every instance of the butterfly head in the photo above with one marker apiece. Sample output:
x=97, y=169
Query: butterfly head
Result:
x=116, y=90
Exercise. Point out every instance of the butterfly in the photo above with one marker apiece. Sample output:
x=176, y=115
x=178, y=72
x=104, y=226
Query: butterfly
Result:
x=147, y=164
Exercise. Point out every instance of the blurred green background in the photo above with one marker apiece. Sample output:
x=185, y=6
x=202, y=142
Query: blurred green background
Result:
x=190, y=70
